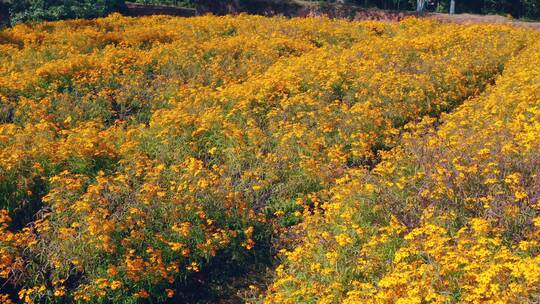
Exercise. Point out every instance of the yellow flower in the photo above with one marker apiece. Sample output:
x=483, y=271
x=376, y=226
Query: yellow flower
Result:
x=115, y=285
x=343, y=240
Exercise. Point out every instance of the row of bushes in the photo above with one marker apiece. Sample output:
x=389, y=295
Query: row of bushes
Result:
x=451, y=215
x=80, y=97
x=142, y=156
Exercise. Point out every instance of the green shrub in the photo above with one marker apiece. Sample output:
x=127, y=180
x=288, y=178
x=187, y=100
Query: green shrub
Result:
x=39, y=10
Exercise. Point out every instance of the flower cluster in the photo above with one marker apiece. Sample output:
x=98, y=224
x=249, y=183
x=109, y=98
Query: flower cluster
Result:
x=141, y=155
x=450, y=215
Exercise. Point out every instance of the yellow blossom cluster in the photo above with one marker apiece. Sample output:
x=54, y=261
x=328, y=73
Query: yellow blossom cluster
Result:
x=140, y=157
x=450, y=215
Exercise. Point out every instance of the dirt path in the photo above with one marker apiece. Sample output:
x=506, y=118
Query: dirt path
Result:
x=469, y=18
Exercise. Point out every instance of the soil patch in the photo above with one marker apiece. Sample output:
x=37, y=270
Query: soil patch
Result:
x=496, y=19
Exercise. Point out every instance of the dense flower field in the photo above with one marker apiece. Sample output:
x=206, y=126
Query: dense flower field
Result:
x=449, y=215
x=140, y=157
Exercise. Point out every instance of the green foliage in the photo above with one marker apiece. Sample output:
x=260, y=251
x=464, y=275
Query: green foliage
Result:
x=4, y=12
x=531, y=9
x=40, y=10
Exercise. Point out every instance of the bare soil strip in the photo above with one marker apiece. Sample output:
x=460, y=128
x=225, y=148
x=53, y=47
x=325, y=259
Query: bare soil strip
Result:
x=470, y=18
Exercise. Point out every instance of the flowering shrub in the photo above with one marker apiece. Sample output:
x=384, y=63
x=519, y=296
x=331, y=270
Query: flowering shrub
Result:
x=450, y=215
x=139, y=156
